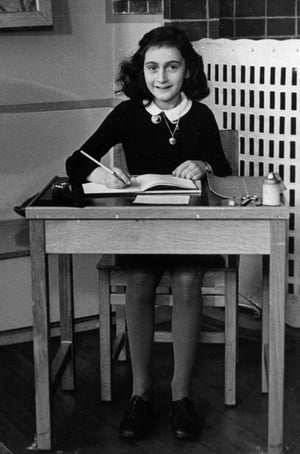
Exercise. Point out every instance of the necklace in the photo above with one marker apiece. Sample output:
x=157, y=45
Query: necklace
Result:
x=172, y=140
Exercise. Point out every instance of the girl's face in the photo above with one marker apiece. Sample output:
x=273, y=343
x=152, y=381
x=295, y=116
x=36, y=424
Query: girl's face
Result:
x=164, y=72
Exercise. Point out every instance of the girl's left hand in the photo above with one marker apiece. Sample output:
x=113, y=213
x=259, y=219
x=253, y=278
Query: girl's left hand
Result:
x=193, y=170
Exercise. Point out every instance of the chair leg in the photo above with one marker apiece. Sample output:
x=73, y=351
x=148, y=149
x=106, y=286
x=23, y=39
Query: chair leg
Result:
x=265, y=328
x=231, y=309
x=65, y=270
x=121, y=331
x=105, y=336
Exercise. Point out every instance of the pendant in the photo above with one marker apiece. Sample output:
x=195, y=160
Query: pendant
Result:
x=156, y=119
x=172, y=141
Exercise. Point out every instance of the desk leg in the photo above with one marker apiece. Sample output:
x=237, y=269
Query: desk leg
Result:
x=231, y=314
x=40, y=316
x=65, y=271
x=265, y=326
x=105, y=336
x=276, y=335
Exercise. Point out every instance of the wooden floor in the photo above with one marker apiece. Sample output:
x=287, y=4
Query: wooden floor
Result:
x=84, y=425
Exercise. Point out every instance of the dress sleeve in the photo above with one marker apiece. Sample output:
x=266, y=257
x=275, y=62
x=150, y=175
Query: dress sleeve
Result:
x=109, y=133
x=215, y=155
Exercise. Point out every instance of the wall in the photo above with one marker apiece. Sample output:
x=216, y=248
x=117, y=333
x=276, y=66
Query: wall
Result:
x=259, y=19
x=235, y=18
x=45, y=74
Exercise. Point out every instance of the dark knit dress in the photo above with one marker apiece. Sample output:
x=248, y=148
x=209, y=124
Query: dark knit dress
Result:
x=146, y=145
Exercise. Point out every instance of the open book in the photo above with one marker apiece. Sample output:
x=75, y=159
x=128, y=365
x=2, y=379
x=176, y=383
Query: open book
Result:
x=150, y=182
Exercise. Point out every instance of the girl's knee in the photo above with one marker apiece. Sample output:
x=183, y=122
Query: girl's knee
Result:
x=186, y=278
x=142, y=278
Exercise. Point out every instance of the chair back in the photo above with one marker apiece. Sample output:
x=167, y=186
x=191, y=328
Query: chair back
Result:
x=229, y=140
x=230, y=144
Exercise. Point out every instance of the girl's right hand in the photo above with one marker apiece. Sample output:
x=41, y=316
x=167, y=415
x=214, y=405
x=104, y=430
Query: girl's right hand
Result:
x=120, y=180
x=102, y=176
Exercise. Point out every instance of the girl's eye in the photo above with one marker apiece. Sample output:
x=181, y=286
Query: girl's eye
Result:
x=151, y=68
x=173, y=67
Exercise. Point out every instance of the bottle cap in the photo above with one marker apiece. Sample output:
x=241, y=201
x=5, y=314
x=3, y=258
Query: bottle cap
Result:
x=272, y=178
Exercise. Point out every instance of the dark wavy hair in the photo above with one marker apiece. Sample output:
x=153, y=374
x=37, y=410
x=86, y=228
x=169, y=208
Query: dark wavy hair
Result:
x=130, y=79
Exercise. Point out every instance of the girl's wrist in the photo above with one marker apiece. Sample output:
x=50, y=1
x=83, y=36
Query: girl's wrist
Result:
x=97, y=176
x=208, y=167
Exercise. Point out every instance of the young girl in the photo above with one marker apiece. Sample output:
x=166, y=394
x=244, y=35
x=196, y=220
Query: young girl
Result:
x=163, y=129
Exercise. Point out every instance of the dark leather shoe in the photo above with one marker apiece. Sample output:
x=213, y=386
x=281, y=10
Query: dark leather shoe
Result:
x=184, y=420
x=137, y=419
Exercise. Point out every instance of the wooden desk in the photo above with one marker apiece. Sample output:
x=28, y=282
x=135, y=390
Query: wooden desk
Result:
x=121, y=228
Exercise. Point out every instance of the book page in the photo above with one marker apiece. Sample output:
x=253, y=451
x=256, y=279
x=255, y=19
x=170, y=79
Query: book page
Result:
x=97, y=188
x=162, y=199
x=145, y=182
x=151, y=180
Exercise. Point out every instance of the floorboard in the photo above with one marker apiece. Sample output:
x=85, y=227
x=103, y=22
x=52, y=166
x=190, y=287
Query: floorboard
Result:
x=84, y=425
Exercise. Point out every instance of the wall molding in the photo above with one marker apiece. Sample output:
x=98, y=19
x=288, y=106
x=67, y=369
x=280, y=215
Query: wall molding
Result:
x=59, y=105
x=20, y=335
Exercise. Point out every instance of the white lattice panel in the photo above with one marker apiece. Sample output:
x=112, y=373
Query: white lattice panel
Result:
x=255, y=89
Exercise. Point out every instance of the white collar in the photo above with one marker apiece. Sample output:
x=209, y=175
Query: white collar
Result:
x=172, y=114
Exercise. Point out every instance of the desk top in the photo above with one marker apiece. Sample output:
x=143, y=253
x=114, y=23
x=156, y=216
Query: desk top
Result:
x=206, y=206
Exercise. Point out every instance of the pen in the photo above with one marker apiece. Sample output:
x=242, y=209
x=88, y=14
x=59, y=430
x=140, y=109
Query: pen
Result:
x=103, y=166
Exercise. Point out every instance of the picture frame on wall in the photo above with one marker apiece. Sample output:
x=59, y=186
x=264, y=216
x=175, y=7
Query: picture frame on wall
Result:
x=25, y=14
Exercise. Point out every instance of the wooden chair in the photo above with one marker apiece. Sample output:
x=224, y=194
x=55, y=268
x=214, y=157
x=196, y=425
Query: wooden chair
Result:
x=220, y=289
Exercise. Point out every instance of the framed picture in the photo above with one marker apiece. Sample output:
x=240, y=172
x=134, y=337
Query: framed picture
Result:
x=140, y=11
x=25, y=13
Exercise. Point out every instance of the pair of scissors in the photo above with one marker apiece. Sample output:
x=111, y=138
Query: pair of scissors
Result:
x=250, y=199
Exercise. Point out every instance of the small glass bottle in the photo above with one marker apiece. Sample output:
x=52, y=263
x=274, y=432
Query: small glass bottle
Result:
x=271, y=190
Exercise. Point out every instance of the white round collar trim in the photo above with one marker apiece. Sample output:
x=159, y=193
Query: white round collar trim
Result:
x=172, y=114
